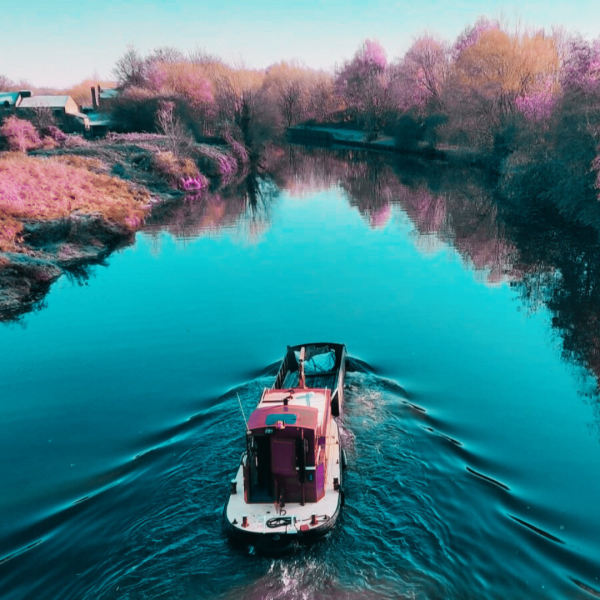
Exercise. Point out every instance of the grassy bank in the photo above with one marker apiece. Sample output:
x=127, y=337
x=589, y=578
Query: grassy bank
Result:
x=71, y=205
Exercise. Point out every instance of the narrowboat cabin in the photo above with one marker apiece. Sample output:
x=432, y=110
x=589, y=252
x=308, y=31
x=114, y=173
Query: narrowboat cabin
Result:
x=289, y=482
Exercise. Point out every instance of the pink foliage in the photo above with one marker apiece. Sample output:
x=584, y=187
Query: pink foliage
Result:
x=194, y=184
x=374, y=54
x=157, y=77
x=420, y=76
x=54, y=133
x=21, y=135
x=133, y=222
x=471, y=35
x=582, y=65
x=182, y=78
x=362, y=81
x=216, y=162
x=539, y=103
x=238, y=150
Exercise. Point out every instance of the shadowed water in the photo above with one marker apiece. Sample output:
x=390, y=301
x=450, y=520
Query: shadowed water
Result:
x=472, y=436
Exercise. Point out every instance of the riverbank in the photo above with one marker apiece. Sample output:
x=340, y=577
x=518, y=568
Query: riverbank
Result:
x=64, y=209
x=335, y=137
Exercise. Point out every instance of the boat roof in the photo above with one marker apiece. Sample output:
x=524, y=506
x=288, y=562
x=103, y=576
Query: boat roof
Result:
x=316, y=400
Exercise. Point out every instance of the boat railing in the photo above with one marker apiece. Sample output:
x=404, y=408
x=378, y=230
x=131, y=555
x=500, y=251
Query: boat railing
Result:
x=283, y=370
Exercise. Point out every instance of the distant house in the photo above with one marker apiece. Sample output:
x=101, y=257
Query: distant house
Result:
x=103, y=100
x=63, y=109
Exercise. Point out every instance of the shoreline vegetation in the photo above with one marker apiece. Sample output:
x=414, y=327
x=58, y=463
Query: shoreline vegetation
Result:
x=522, y=105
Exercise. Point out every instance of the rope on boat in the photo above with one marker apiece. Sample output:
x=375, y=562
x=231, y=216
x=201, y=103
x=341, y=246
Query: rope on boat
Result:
x=279, y=522
x=286, y=521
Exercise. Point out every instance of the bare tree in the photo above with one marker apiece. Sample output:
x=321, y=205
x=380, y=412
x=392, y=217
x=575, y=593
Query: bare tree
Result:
x=42, y=116
x=290, y=103
x=6, y=84
x=165, y=54
x=178, y=142
x=130, y=69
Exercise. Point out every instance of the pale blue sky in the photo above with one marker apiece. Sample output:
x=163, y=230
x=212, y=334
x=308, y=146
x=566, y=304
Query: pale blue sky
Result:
x=62, y=42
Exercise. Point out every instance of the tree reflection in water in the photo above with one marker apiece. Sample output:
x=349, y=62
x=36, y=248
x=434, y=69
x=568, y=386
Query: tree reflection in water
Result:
x=243, y=206
x=547, y=257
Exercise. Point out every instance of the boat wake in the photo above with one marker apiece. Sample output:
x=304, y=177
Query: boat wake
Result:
x=420, y=505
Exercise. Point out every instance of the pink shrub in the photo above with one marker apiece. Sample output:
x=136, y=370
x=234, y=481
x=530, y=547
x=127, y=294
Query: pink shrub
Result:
x=20, y=135
x=178, y=172
x=194, y=184
x=54, y=133
x=214, y=161
x=238, y=150
x=539, y=103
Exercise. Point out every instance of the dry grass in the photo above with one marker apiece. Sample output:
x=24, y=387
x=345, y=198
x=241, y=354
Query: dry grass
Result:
x=83, y=162
x=49, y=188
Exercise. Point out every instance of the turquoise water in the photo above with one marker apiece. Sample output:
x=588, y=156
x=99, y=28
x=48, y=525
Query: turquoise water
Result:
x=120, y=427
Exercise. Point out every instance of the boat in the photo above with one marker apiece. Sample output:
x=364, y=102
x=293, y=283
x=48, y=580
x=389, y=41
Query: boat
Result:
x=289, y=483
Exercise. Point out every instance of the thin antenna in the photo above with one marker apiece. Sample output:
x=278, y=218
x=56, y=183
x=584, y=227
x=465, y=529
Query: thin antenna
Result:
x=242, y=409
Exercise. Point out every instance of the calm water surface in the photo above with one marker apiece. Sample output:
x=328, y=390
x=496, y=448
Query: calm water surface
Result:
x=472, y=427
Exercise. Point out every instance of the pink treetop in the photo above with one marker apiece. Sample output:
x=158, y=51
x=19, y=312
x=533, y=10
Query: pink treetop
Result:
x=419, y=77
x=180, y=78
x=471, y=35
x=539, y=103
x=361, y=81
x=581, y=70
x=373, y=54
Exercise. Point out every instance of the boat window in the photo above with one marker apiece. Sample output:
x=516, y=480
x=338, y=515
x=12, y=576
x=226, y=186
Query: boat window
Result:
x=287, y=418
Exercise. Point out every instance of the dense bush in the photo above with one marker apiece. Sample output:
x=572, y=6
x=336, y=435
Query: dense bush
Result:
x=215, y=162
x=180, y=173
x=20, y=135
x=54, y=133
x=408, y=132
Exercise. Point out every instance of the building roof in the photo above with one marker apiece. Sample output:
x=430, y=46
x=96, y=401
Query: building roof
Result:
x=10, y=97
x=44, y=102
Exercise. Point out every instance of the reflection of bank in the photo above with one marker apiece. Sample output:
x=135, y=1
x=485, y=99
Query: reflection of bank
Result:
x=244, y=207
x=560, y=261
x=288, y=486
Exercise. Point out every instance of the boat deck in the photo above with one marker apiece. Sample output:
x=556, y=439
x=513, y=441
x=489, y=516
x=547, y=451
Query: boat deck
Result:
x=259, y=514
x=317, y=381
